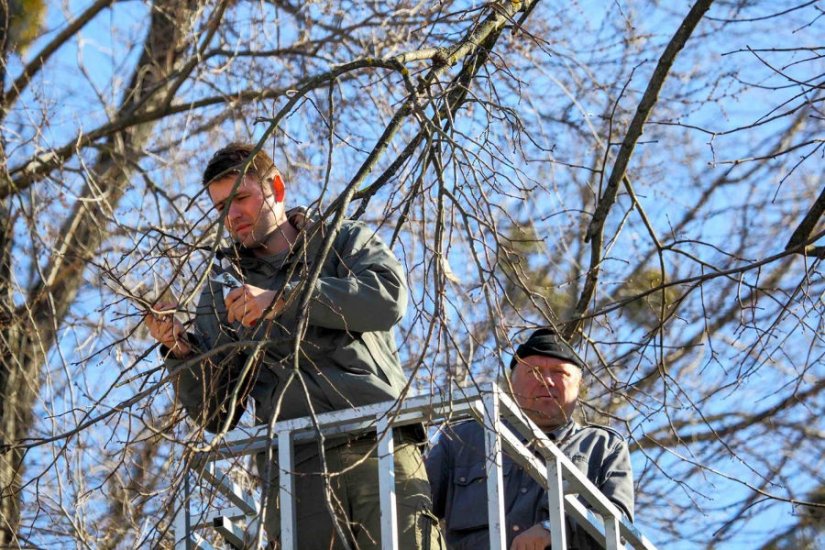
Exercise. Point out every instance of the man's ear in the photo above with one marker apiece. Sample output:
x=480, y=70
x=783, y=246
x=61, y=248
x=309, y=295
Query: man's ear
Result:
x=583, y=390
x=278, y=188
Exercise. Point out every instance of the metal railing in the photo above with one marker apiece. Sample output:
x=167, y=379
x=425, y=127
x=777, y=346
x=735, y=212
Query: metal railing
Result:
x=565, y=484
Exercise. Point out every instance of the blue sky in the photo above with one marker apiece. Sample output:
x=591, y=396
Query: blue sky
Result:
x=667, y=189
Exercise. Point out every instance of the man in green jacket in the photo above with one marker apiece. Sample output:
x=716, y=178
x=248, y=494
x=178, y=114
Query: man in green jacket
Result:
x=347, y=358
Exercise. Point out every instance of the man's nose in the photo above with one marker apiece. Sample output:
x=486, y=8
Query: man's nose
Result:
x=547, y=379
x=234, y=212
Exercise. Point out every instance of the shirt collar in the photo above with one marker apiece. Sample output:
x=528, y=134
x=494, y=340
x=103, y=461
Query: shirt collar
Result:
x=559, y=434
x=562, y=432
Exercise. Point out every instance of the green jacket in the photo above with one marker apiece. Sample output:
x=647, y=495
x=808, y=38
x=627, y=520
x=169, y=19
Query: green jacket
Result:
x=348, y=356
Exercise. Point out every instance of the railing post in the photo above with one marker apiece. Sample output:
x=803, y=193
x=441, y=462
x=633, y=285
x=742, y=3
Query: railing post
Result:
x=183, y=520
x=484, y=404
x=555, y=497
x=286, y=485
x=611, y=533
x=495, y=477
x=386, y=484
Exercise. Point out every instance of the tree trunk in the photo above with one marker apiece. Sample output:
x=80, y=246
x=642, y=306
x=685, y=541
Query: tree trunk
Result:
x=30, y=331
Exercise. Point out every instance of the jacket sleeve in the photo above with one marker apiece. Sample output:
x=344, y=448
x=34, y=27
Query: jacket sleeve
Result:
x=617, y=479
x=368, y=291
x=205, y=381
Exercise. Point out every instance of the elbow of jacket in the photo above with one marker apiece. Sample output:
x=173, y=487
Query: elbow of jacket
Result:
x=211, y=417
x=215, y=422
x=386, y=311
x=393, y=313
x=383, y=321
x=396, y=313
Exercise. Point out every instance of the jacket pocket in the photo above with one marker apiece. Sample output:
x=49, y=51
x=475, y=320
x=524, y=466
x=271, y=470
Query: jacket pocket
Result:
x=344, y=387
x=582, y=464
x=469, y=502
x=469, y=506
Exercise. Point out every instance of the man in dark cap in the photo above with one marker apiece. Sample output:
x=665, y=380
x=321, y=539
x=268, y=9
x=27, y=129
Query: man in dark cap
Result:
x=545, y=381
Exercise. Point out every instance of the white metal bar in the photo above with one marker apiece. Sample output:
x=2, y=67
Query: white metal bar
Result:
x=286, y=484
x=555, y=499
x=634, y=536
x=386, y=484
x=199, y=543
x=519, y=452
x=182, y=527
x=470, y=403
x=577, y=481
x=246, y=441
x=586, y=518
x=230, y=489
x=252, y=527
x=495, y=478
x=208, y=520
x=232, y=533
x=611, y=534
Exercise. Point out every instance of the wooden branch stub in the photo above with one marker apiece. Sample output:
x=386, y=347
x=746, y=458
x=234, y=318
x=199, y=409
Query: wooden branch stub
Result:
x=806, y=227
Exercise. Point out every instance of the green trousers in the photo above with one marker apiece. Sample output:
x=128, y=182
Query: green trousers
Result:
x=347, y=494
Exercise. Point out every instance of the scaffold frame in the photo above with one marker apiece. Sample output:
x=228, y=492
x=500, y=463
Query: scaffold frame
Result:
x=488, y=404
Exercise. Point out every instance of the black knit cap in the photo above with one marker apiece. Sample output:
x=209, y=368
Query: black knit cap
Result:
x=545, y=341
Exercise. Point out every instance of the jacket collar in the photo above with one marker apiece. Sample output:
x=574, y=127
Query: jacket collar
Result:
x=559, y=434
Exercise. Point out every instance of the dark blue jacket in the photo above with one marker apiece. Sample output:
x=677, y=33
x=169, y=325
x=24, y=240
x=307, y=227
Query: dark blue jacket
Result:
x=455, y=466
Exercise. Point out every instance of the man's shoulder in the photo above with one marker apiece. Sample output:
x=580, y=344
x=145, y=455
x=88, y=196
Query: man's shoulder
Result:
x=352, y=227
x=600, y=431
x=467, y=430
x=463, y=428
x=460, y=433
x=349, y=232
x=313, y=233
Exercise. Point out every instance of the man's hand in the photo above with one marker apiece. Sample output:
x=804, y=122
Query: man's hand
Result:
x=248, y=303
x=166, y=329
x=535, y=538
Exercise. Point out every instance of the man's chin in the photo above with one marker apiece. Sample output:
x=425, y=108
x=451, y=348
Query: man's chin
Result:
x=247, y=241
x=547, y=421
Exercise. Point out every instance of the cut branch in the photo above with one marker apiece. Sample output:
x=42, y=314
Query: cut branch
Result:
x=807, y=226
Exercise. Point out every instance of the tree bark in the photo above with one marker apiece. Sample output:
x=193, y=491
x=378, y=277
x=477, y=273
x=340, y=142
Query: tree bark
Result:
x=31, y=330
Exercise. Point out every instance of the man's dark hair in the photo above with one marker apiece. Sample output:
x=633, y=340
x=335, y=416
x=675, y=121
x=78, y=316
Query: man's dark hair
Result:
x=229, y=160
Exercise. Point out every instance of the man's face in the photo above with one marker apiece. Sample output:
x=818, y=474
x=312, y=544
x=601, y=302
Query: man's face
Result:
x=252, y=214
x=547, y=389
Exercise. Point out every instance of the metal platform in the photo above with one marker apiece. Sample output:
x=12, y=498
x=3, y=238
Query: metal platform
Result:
x=239, y=521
